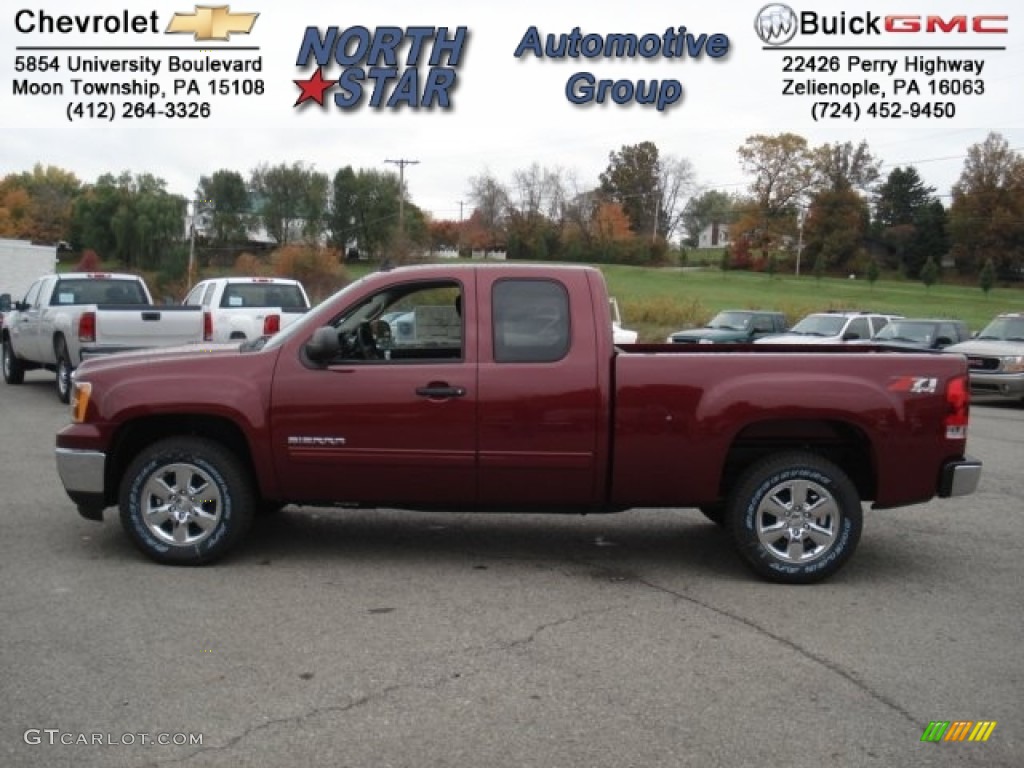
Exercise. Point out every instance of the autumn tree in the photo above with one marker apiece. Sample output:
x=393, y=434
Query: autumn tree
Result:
x=783, y=171
x=631, y=180
x=986, y=218
x=491, y=202
x=36, y=205
x=835, y=226
x=535, y=211
x=839, y=167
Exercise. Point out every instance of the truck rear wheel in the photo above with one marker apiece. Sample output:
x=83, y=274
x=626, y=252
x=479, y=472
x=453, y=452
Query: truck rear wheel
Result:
x=186, y=501
x=796, y=518
x=14, y=373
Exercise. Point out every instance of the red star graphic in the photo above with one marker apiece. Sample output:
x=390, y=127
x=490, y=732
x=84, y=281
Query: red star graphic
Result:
x=313, y=88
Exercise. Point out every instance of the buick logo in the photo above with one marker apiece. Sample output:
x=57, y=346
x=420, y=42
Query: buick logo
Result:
x=776, y=24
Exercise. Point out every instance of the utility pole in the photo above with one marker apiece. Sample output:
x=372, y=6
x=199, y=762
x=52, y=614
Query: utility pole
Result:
x=401, y=189
x=800, y=237
x=458, y=247
x=192, y=240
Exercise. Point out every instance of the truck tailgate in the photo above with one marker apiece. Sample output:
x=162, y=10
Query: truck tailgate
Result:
x=154, y=326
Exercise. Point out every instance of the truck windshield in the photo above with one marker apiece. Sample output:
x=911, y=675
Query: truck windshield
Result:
x=730, y=321
x=1005, y=328
x=819, y=325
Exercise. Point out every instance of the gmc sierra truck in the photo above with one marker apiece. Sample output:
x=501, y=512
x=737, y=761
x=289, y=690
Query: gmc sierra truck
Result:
x=524, y=404
x=67, y=317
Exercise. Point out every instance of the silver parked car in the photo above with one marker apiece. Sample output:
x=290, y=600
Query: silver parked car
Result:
x=995, y=357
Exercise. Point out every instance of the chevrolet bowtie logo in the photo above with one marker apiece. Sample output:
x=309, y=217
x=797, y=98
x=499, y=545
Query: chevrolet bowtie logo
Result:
x=212, y=22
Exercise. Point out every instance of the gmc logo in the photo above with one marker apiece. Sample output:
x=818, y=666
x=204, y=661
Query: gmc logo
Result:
x=960, y=24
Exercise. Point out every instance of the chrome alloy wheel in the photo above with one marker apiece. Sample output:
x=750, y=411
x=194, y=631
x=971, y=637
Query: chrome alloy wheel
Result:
x=181, y=504
x=798, y=521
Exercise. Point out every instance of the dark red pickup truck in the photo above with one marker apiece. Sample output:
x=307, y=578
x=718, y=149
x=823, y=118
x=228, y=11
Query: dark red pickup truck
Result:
x=498, y=387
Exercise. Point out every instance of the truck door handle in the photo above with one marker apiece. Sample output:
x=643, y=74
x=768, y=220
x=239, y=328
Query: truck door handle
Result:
x=440, y=390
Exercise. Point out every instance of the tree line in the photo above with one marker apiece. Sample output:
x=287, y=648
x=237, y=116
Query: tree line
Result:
x=828, y=207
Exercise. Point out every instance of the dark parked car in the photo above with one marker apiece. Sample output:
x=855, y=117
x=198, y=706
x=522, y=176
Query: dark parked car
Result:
x=922, y=333
x=734, y=326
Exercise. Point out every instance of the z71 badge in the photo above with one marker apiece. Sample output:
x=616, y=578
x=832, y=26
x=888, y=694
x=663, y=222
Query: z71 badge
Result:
x=921, y=385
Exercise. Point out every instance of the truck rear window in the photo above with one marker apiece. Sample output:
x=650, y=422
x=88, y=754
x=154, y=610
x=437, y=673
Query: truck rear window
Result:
x=531, y=321
x=262, y=295
x=96, y=290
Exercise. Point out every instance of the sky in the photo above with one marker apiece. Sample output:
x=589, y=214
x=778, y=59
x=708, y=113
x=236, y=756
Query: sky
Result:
x=506, y=113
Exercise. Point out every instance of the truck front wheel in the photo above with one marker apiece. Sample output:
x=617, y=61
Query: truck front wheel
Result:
x=796, y=518
x=64, y=370
x=186, y=501
x=14, y=373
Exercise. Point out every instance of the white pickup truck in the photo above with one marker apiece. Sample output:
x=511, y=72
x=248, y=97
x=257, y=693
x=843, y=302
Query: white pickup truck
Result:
x=65, y=318
x=245, y=308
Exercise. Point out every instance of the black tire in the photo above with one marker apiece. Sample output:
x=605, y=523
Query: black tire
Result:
x=715, y=513
x=14, y=371
x=64, y=370
x=796, y=518
x=186, y=501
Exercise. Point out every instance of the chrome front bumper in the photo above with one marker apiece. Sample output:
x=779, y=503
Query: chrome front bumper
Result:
x=81, y=471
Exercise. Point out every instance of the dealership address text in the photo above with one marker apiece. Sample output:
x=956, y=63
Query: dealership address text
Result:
x=859, y=86
x=108, y=88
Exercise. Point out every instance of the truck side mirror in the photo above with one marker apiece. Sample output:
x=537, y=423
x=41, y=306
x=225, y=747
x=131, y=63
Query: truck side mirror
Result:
x=5, y=302
x=943, y=341
x=323, y=345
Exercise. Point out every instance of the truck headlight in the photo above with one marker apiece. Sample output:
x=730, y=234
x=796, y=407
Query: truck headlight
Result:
x=1013, y=364
x=79, y=401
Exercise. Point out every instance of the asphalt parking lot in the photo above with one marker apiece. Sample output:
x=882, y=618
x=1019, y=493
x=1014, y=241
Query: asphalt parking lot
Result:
x=381, y=638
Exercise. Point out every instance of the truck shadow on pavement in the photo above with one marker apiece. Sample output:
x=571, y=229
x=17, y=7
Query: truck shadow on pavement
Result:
x=677, y=539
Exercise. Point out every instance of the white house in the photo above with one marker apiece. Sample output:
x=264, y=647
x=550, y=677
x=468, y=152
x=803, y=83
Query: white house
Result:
x=714, y=235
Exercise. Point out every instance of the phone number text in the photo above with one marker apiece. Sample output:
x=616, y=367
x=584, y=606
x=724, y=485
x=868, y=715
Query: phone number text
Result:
x=882, y=110
x=136, y=110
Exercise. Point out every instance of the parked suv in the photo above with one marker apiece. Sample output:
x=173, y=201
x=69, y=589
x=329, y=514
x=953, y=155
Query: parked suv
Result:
x=833, y=327
x=736, y=326
x=995, y=357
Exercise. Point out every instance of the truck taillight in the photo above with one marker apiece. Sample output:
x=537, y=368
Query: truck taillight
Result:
x=87, y=326
x=958, y=402
x=271, y=325
x=207, y=326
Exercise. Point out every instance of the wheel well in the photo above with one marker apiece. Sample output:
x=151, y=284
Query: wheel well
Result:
x=845, y=445
x=58, y=341
x=140, y=433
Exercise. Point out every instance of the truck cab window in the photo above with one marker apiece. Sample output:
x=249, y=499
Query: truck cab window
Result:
x=407, y=323
x=530, y=321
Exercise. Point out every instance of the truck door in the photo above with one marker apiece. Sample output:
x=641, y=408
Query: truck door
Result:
x=25, y=332
x=541, y=406
x=391, y=419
